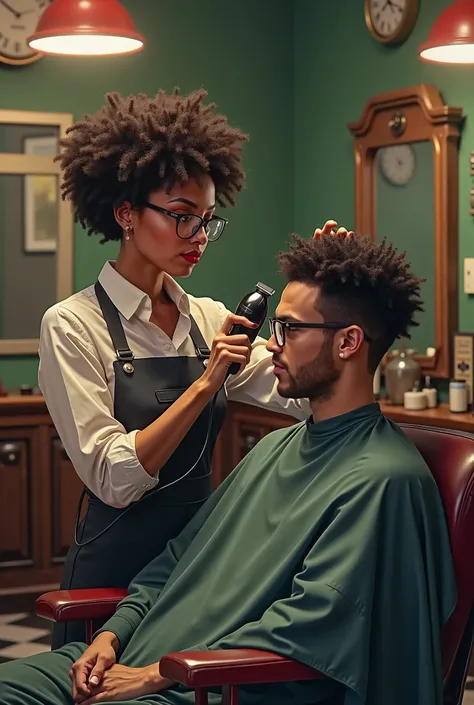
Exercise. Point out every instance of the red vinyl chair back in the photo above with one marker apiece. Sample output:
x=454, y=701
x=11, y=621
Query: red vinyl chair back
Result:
x=450, y=457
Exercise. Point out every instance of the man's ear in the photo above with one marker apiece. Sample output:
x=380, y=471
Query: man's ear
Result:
x=350, y=341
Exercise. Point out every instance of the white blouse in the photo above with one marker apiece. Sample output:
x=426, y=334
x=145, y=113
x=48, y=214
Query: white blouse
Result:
x=76, y=377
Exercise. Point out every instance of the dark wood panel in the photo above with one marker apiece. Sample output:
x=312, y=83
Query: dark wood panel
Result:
x=16, y=546
x=66, y=488
x=250, y=425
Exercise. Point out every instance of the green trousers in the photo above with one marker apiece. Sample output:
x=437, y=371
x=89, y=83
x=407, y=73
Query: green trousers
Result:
x=43, y=680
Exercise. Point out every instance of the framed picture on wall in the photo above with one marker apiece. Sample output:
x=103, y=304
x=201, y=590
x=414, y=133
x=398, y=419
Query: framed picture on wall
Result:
x=41, y=200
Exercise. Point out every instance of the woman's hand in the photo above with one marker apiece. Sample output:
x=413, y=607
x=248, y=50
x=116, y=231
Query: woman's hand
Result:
x=124, y=683
x=225, y=350
x=89, y=669
x=328, y=229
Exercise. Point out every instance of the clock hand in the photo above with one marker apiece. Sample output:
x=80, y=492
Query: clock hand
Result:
x=26, y=12
x=14, y=12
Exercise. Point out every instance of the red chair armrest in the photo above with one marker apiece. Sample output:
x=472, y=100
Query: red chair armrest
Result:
x=204, y=669
x=67, y=605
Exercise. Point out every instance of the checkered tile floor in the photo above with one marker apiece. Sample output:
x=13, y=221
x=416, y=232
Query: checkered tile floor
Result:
x=22, y=633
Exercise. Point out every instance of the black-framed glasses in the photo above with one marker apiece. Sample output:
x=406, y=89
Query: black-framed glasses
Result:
x=278, y=328
x=188, y=224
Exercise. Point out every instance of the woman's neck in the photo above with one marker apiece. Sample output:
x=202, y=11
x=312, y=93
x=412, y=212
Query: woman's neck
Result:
x=144, y=275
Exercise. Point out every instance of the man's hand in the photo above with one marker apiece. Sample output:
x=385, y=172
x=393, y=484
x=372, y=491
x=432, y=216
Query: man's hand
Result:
x=90, y=667
x=328, y=229
x=124, y=683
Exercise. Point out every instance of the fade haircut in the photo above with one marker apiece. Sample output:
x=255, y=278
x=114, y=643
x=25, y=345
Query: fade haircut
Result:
x=361, y=282
x=135, y=145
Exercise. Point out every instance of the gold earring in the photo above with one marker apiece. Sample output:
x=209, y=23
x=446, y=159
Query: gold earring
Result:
x=127, y=232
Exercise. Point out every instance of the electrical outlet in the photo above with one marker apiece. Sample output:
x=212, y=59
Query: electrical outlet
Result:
x=469, y=275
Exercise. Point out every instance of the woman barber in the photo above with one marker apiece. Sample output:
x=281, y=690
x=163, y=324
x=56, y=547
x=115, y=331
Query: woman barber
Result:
x=129, y=367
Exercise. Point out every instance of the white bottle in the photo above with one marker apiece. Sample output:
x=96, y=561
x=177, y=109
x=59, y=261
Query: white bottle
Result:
x=457, y=396
x=415, y=400
x=430, y=393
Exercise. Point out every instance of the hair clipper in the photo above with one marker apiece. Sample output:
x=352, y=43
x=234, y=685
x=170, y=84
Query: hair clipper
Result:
x=253, y=306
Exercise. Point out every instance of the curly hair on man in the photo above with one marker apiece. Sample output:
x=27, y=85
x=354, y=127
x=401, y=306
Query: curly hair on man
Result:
x=361, y=282
x=137, y=144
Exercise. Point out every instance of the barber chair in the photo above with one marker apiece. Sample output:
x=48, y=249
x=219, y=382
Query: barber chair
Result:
x=450, y=457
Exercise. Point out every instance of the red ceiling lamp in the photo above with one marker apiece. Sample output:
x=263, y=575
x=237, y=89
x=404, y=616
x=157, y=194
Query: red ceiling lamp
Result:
x=451, y=40
x=86, y=27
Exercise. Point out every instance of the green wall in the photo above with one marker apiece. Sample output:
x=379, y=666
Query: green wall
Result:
x=292, y=74
x=338, y=66
x=242, y=53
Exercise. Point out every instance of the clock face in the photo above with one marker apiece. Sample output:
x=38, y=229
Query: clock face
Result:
x=397, y=163
x=18, y=20
x=390, y=20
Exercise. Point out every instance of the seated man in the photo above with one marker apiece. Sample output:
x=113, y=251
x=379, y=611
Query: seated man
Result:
x=327, y=544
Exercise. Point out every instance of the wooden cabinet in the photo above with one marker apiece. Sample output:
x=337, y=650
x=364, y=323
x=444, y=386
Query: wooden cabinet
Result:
x=39, y=488
x=16, y=516
x=244, y=426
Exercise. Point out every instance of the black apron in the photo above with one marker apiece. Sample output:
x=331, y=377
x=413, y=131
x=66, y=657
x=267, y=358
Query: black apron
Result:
x=144, y=389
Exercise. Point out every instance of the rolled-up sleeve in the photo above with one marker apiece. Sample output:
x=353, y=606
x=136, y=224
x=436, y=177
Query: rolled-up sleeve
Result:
x=73, y=382
x=257, y=384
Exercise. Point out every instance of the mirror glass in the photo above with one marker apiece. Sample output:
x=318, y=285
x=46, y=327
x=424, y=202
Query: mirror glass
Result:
x=29, y=218
x=29, y=224
x=41, y=140
x=404, y=185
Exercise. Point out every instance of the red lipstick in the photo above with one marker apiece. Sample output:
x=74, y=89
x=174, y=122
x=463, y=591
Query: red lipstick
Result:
x=192, y=257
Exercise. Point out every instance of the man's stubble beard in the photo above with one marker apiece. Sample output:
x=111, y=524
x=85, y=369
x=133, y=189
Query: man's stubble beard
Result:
x=316, y=380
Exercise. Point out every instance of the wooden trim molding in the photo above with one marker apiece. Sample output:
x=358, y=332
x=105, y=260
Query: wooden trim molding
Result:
x=417, y=114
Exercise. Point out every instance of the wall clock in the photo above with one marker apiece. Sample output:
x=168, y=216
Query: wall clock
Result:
x=18, y=20
x=397, y=163
x=390, y=21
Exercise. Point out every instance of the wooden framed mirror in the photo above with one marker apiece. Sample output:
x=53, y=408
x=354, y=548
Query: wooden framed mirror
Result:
x=36, y=226
x=406, y=189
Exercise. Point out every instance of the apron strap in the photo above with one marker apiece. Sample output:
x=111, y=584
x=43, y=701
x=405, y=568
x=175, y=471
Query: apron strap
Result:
x=202, y=351
x=114, y=324
x=117, y=333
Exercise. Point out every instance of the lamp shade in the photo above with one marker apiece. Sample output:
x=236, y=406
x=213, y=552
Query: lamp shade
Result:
x=86, y=27
x=451, y=40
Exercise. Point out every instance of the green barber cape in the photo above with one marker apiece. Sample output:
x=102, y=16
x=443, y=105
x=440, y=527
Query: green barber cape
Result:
x=327, y=544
